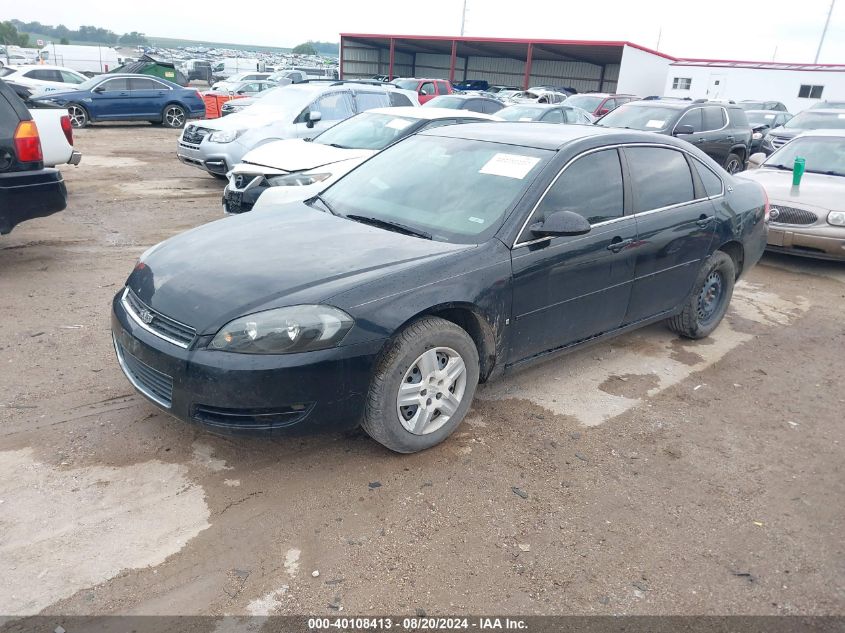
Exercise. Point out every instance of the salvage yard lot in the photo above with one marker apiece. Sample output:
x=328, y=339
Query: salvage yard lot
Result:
x=646, y=475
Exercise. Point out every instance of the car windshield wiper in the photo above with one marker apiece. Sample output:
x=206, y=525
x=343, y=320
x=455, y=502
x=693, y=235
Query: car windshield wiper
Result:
x=337, y=145
x=778, y=166
x=325, y=204
x=390, y=225
x=829, y=172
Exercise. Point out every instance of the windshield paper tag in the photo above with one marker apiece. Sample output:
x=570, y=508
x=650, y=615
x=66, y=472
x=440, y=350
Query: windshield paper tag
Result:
x=399, y=124
x=509, y=166
x=655, y=123
x=840, y=116
x=476, y=220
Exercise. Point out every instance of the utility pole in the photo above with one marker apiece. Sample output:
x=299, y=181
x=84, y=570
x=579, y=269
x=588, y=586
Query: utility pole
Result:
x=464, y=18
x=659, y=34
x=824, y=31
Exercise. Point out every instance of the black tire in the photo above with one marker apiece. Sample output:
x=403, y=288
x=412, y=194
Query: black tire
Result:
x=734, y=163
x=703, y=310
x=79, y=116
x=401, y=356
x=174, y=116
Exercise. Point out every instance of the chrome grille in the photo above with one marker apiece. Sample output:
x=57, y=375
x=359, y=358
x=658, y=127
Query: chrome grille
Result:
x=791, y=215
x=779, y=141
x=157, y=386
x=193, y=135
x=157, y=323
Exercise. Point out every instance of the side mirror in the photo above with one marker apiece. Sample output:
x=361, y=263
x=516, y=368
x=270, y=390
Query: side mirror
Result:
x=602, y=112
x=423, y=93
x=561, y=223
x=314, y=117
x=683, y=129
x=755, y=160
x=99, y=89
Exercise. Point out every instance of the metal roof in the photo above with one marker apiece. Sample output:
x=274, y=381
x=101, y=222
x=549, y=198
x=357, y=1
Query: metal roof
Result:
x=732, y=63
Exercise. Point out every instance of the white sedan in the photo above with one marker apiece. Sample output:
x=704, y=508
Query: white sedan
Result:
x=42, y=78
x=297, y=169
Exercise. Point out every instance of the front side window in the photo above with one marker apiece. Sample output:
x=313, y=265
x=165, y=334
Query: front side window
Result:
x=693, y=118
x=334, y=106
x=714, y=119
x=659, y=177
x=428, y=88
x=115, y=85
x=442, y=87
x=477, y=183
x=681, y=83
x=591, y=187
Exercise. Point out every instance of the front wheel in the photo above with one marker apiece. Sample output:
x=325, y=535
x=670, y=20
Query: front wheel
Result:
x=423, y=386
x=734, y=163
x=710, y=298
x=174, y=116
x=78, y=115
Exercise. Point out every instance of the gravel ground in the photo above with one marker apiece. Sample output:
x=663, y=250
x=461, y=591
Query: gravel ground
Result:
x=649, y=475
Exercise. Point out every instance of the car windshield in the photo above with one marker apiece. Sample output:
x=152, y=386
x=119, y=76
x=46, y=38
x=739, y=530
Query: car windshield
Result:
x=287, y=100
x=367, y=131
x=456, y=190
x=87, y=85
x=639, y=117
x=809, y=120
x=833, y=105
x=520, y=113
x=585, y=102
x=761, y=118
x=824, y=155
x=405, y=84
x=454, y=103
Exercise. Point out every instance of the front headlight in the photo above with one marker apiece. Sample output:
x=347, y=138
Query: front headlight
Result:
x=836, y=218
x=757, y=136
x=296, y=180
x=225, y=136
x=284, y=331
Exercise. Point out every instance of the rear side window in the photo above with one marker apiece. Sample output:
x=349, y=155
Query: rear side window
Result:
x=738, y=118
x=70, y=78
x=693, y=118
x=442, y=88
x=370, y=100
x=335, y=106
x=140, y=83
x=398, y=99
x=712, y=183
x=659, y=177
x=714, y=118
x=491, y=107
x=591, y=187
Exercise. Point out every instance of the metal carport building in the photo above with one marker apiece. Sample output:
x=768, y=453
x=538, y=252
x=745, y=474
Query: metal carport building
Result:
x=622, y=67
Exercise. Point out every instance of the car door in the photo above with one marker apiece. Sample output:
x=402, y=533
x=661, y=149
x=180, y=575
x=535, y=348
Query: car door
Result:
x=675, y=227
x=146, y=97
x=428, y=88
x=693, y=119
x=333, y=107
x=110, y=99
x=717, y=135
x=570, y=288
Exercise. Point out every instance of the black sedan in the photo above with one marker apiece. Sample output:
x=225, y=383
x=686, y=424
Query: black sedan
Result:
x=450, y=258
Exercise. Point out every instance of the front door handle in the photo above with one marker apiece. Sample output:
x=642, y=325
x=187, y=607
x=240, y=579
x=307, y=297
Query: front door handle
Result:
x=704, y=220
x=617, y=244
x=701, y=140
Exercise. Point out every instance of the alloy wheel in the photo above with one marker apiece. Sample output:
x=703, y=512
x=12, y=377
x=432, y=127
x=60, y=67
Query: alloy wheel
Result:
x=78, y=117
x=174, y=116
x=431, y=390
x=733, y=166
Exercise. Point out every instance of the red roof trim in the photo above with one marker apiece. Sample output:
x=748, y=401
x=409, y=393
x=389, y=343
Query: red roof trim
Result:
x=745, y=61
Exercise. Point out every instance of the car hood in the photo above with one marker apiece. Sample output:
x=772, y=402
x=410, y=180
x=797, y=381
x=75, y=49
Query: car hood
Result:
x=259, y=260
x=818, y=190
x=785, y=132
x=66, y=93
x=299, y=155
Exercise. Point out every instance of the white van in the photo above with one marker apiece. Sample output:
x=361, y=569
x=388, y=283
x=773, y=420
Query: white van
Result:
x=89, y=60
x=235, y=65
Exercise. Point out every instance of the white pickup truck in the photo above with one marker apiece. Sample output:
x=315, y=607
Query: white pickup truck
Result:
x=54, y=129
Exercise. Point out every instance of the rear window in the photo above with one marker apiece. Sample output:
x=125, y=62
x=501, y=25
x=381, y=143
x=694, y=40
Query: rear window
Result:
x=651, y=118
x=738, y=118
x=398, y=99
x=6, y=71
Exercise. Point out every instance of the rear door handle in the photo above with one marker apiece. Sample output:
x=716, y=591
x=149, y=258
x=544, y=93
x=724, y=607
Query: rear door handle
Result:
x=617, y=244
x=704, y=221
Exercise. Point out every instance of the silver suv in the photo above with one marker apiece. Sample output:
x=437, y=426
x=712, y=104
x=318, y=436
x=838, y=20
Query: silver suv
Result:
x=296, y=111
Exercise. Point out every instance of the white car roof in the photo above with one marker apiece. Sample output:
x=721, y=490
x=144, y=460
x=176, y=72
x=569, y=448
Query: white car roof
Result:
x=25, y=67
x=433, y=113
x=835, y=133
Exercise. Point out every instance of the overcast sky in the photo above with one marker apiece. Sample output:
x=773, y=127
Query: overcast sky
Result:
x=727, y=29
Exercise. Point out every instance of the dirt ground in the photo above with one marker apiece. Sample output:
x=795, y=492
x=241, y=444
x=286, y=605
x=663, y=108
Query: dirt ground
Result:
x=649, y=475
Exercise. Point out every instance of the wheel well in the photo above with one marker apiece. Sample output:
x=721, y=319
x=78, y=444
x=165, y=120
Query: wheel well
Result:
x=477, y=327
x=739, y=151
x=176, y=103
x=736, y=253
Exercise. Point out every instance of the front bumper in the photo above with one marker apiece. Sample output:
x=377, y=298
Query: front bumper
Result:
x=215, y=158
x=245, y=393
x=25, y=195
x=821, y=242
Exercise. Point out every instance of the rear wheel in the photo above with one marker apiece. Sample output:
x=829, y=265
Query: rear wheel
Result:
x=423, y=386
x=173, y=116
x=734, y=163
x=710, y=299
x=78, y=115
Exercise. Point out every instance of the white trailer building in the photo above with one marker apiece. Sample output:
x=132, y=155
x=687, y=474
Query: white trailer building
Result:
x=798, y=86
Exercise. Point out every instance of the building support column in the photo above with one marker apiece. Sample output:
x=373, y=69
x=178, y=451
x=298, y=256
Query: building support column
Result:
x=342, y=61
x=452, y=62
x=601, y=78
x=528, y=60
x=392, y=54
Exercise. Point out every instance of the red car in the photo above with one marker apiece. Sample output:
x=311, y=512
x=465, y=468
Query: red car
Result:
x=599, y=103
x=427, y=89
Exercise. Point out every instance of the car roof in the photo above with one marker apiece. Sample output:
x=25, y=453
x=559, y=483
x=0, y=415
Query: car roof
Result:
x=432, y=113
x=537, y=135
x=24, y=67
x=826, y=111
x=835, y=133
x=469, y=96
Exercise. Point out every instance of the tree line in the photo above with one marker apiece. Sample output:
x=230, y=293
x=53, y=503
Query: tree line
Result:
x=16, y=32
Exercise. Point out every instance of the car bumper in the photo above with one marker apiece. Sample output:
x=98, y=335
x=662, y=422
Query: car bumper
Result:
x=215, y=158
x=826, y=242
x=237, y=201
x=245, y=393
x=30, y=194
x=75, y=158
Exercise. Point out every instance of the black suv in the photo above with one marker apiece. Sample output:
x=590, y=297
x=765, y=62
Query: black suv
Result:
x=720, y=130
x=27, y=189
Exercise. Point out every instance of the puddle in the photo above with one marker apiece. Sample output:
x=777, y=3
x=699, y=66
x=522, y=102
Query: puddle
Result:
x=62, y=530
